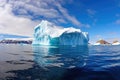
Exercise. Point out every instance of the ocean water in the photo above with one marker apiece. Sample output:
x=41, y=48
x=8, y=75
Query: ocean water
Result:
x=27, y=62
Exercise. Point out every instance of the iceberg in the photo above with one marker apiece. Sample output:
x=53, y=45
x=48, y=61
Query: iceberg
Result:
x=48, y=34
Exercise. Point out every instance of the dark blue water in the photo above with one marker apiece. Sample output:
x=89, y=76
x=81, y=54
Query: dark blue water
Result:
x=26, y=62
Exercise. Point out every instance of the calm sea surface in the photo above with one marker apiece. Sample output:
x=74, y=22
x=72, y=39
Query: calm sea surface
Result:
x=27, y=62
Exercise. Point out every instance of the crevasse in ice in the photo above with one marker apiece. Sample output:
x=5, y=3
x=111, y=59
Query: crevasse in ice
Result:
x=47, y=34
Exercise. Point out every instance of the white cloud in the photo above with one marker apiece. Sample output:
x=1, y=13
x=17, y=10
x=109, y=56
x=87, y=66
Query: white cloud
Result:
x=91, y=12
x=118, y=3
x=16, y=16
x=117, y=21
x=45, y=8
x=11, y=24
x=36, y=7
x=98, y=36
x=117, y=15
x=67, y=16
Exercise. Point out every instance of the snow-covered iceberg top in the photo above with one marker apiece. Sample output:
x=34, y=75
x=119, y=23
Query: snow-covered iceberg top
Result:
x=47, y=34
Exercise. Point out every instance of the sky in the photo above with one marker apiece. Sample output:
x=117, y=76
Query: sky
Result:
x=100, y=18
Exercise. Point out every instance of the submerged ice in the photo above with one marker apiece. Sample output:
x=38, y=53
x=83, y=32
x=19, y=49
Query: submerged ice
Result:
x=47, y=34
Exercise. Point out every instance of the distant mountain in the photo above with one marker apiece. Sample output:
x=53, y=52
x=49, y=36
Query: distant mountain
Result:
x=102, y=42
x=116, y=42
x=16, y=41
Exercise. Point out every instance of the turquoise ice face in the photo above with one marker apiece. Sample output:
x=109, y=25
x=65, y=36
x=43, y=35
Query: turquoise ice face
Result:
x=48, y=34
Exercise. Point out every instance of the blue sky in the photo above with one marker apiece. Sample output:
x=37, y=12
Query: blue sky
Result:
x=101, y=18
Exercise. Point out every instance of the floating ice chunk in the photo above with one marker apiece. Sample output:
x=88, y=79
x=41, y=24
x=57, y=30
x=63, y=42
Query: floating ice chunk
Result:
x=48, y=34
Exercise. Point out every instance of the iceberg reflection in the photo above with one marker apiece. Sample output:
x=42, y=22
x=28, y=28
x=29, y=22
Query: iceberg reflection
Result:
x=60, y=56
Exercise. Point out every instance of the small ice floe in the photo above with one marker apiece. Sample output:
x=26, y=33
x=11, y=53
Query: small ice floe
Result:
x=71, y=67
x=55, y=65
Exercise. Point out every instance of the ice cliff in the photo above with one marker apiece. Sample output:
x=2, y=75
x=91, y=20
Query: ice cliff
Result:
x=47, y=34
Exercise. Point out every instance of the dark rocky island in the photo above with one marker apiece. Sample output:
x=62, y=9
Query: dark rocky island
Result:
x=16, y=41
